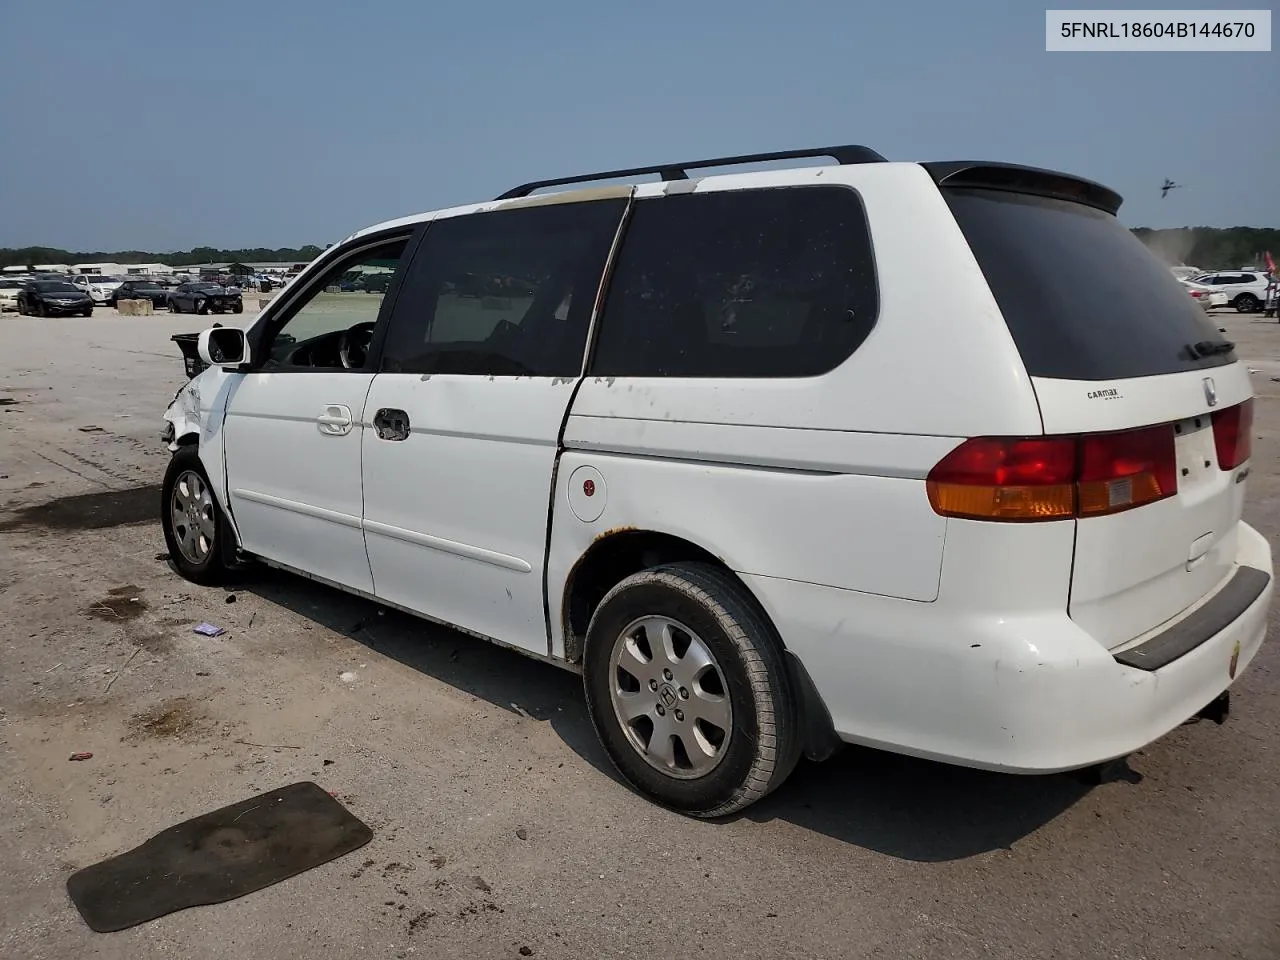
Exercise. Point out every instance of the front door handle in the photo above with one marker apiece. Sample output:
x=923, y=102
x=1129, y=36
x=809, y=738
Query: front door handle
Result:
x=391, y=424
x=335, y=421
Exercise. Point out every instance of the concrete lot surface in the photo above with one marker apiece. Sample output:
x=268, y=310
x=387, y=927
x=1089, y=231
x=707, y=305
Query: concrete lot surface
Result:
x=500, y=830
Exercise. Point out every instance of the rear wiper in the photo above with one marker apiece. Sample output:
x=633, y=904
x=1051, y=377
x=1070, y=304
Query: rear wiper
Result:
x=1208, y=348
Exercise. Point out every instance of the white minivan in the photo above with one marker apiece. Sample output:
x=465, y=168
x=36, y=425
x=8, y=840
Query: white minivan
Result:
x=721, y=445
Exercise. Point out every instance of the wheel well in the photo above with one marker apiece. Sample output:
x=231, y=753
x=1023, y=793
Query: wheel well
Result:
x=188, y=440
x=616, y=555
x=608, y=561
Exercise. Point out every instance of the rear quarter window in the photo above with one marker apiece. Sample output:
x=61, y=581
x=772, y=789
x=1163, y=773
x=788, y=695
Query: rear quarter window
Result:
x=773, y=282
x=1083, y=297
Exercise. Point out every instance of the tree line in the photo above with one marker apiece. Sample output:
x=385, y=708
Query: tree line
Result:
x=1213, y=247
x=30, y=256
x=1208, y=247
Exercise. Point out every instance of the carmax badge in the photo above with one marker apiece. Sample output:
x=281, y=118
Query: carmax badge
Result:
x=1210, y=392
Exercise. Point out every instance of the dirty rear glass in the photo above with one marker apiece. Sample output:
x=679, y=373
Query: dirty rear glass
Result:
x=1083, y=298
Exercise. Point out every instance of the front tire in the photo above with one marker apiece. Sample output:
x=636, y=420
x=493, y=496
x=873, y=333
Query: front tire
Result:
x=688, y=690
x=195, y=530
x=1247, y=303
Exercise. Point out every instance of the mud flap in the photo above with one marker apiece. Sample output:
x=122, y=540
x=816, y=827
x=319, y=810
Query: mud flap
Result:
x=817, y=729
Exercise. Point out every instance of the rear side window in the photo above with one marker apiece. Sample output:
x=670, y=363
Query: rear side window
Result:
x=1083, y=297
x=752, y=283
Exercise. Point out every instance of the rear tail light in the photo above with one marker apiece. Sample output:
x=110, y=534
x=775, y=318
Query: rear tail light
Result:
x=1233, y=434
x=1055, y=478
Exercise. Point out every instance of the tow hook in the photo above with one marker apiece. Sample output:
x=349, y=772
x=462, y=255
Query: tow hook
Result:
x=1218, y=709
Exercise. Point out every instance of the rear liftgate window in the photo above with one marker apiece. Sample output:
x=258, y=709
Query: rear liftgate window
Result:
x=1084, y=299
x=752, y=283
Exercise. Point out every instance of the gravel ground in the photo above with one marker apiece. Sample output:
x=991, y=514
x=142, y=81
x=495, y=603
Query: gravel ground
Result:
x=499, y=828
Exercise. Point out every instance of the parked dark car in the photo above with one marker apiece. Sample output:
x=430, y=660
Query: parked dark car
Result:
x=139, y=290
x=203, y=297
x=53, y=298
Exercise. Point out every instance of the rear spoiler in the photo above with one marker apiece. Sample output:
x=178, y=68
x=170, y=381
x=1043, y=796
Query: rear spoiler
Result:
x=1019, y=179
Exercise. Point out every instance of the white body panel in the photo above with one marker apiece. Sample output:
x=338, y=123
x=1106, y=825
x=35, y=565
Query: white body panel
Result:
x=456, y=515
x=292, y=444
x=985, y=680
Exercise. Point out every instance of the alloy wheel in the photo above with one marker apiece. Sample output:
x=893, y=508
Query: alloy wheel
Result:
x=670, y=697
x=191, y=514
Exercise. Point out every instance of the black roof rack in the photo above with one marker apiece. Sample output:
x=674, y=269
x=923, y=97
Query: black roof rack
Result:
x=677, y=171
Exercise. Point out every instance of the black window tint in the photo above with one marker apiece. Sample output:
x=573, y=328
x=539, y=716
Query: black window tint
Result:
x=503, y=293
x=1083, y=297
x=753, y=283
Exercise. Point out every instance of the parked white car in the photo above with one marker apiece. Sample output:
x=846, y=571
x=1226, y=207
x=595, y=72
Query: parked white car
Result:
x=98, y=287
x=9, y=294
x=722, y=447
x=1206, y=295
x=1246, y=290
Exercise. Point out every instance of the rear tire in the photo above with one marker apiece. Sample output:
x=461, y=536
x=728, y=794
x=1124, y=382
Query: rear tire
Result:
x=196, y=532
x=202, y=307
x=1247, y=303
x=711, y=720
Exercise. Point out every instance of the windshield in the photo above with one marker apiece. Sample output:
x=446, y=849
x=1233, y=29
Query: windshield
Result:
x=54, y=286
x=1083, y=297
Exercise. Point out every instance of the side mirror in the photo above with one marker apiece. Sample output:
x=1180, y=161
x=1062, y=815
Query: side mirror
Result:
x=225, y=347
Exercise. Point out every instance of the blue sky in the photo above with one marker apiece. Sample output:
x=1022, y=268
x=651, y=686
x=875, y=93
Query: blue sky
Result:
x=163, y=126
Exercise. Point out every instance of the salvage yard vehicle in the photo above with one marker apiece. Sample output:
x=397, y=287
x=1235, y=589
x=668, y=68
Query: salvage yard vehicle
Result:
x=203, y=297
x=9, y=290
x=718, y=444
x=98, y=287
x=140, y=290
x=53, y=298
x=1246, y=290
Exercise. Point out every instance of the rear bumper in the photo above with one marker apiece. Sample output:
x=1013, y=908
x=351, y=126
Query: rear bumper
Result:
x=1022, y=692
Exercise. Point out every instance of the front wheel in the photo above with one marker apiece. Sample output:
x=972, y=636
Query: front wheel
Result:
x=87, y=313
x=688, y=690
x=237, y=308
x=1246, y=303
x=195, y=530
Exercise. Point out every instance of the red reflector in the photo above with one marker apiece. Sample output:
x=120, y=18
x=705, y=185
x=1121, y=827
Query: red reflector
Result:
x=1233, y=434
x=1049, y=478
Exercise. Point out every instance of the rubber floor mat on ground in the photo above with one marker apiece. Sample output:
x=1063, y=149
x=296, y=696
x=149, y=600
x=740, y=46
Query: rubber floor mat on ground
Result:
x=217, y=857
